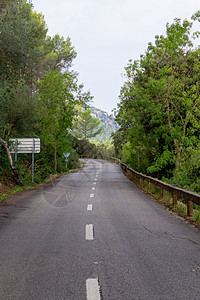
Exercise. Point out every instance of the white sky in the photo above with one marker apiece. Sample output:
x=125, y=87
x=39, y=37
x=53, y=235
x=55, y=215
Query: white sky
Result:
x=107, y=33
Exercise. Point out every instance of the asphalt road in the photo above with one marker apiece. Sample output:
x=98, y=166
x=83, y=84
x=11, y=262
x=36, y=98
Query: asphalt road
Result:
x=93, y=235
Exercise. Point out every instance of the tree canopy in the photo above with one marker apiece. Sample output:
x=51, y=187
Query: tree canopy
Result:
x=159, y=110
x=85, y=125
x=38, y=88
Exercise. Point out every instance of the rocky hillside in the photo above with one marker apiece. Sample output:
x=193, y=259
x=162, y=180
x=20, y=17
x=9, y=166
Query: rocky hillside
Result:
x=107, y=121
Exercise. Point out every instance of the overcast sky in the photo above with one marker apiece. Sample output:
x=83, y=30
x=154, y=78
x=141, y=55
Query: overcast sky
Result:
x=107, y=33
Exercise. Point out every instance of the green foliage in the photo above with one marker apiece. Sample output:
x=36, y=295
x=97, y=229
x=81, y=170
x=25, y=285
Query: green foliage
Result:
x=73, y=161
x=85, y=125
x=105, y=149
x=159, y=112
x=64, y=52
x=118, y=141
x=22, y=34
x=4, y=164
x=165, y=159
x=128, y=155
x=83, y=147
x=38, y=91
x=18, y=108
x=188, y=174
x=104, y=136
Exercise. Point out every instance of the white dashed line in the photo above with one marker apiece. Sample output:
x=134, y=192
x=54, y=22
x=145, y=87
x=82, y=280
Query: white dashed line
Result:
x=89, y=207
x=93, y=289
x=93, y=188
x=91, y=195
x=89, y=232
x=94, y=183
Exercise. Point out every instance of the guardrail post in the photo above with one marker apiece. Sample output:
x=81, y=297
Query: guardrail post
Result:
x=189, y=208
x=163, y=193
x=144, y=183
x=134, y=177
x=174, y=203
x=149, y=185
x=155, y=188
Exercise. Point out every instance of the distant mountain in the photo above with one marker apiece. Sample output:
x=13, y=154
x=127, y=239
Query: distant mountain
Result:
x=107, y=121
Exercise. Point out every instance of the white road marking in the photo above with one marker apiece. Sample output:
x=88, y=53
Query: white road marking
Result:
x=89, y=232
x=89, y=207
x=91, y=195
x=94, y=183
x=95, y=179
x=93, y=289
x=93, y=188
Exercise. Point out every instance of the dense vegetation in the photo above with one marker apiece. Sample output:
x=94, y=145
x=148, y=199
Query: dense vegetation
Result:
x=38, y=91
x=159, y=110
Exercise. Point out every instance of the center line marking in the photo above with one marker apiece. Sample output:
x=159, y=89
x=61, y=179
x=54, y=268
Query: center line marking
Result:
x=89, y=207
x=93, y=188
x=89, y=232
x=94, y=183
x=91, y=195
x=93, y=289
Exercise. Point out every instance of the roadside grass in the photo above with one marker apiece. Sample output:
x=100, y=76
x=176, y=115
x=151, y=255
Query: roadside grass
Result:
x=7, y=191
x=196, y=214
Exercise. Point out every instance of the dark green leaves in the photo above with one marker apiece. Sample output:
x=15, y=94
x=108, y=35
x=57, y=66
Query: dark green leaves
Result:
x=159, y=111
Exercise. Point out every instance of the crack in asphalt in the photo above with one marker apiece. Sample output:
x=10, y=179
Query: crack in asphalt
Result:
x=171, y=235
x=181, y=238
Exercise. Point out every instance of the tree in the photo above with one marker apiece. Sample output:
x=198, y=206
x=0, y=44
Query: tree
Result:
x=15, y=171
x=83, y=147
x=4, y=3
x=38, y=91
x=64, y=52
x=22, y=37
x=22, y=41
x=86, y=126
x=57, y=109
x=171, y=80
x=159, y=110
x=105, y=149
x=18, y=111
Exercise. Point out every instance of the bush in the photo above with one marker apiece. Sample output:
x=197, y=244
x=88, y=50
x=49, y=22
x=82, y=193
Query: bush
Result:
x=73, y=160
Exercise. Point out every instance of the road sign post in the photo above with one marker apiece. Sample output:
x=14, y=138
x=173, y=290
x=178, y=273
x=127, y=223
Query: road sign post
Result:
x=33, y=160
x=66, y=155
x=29, y=145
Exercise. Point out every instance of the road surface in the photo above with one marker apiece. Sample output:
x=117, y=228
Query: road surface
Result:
x=93, y=235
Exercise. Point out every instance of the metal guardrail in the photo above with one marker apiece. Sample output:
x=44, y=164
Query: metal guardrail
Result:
x=176, y=192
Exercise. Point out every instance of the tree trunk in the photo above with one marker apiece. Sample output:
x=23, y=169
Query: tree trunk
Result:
x=15, y=171
x=55, y=154
x=179, y=149
x=138, y=157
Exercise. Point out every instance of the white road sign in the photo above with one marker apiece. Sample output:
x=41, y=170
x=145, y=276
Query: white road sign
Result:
x=28, y=145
